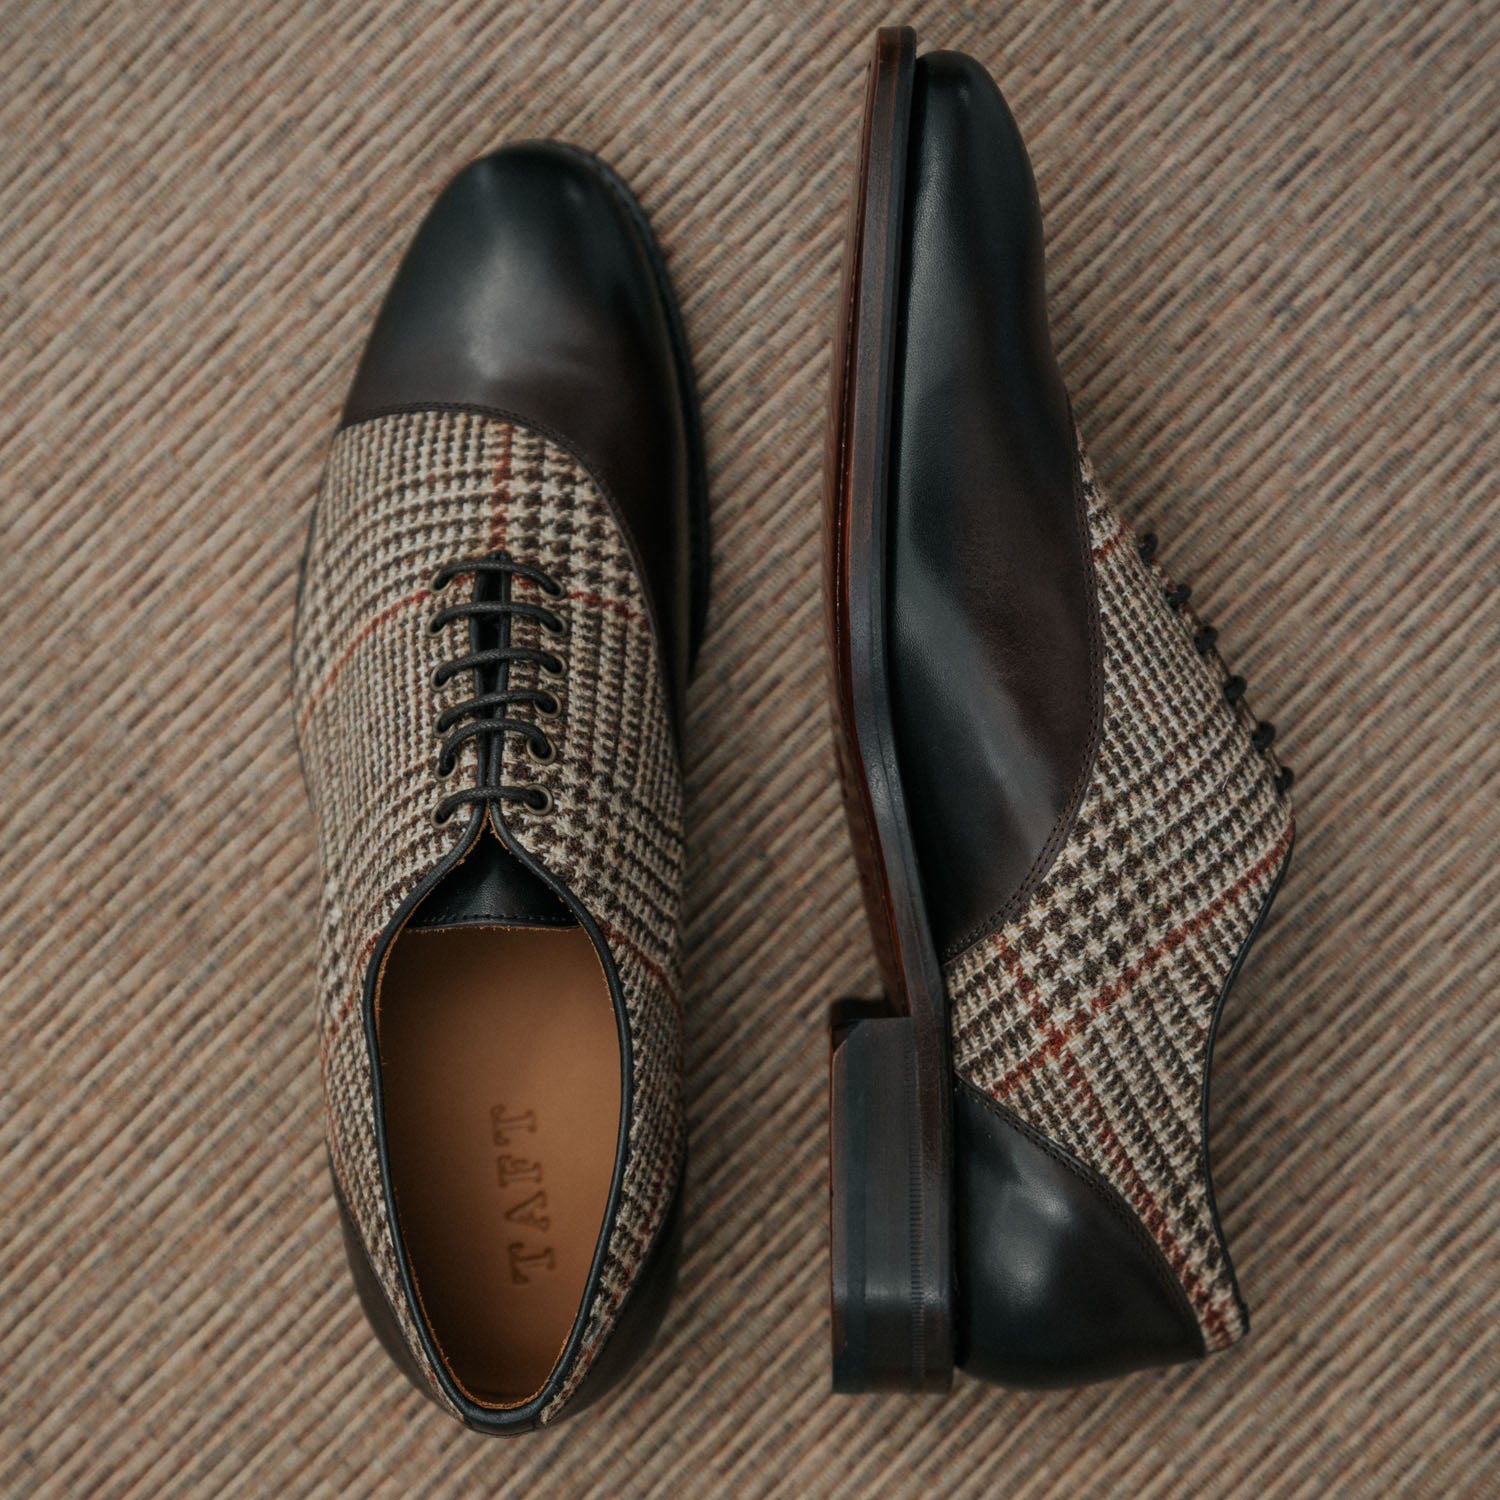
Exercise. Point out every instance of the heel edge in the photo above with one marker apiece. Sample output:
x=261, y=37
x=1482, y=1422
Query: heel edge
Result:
x=892, y=1302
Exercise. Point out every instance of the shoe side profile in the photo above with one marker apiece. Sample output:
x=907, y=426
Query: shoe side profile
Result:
x=1069, y=826
x=502, y=595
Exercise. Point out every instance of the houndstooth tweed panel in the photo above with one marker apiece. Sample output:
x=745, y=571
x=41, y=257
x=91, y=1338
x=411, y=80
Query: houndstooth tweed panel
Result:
x=402, y=496
x=1089, y=1013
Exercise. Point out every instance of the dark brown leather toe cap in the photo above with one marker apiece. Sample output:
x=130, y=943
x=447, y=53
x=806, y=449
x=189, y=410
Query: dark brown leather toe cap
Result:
x=534, y=289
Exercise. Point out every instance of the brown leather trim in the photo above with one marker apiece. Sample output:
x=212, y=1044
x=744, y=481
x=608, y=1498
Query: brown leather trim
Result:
x=1063, y=828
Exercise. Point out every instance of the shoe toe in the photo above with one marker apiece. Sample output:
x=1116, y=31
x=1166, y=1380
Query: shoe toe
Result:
x=533, y=290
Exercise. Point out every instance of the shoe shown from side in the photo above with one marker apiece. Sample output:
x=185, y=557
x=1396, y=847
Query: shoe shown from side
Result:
x=502, y=595
x=1068, y=825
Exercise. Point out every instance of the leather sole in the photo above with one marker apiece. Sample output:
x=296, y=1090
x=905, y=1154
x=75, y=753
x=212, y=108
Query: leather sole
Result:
x=891, y=1106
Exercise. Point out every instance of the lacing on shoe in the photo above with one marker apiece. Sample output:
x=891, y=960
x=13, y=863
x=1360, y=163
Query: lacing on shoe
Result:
x=486, y=715
x=1206, y=641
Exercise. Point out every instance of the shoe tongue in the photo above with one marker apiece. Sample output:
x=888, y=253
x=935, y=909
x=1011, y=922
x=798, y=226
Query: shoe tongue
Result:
x=491, y=886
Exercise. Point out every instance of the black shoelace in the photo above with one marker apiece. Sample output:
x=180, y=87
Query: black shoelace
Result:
x=1206, y=640
x=486, y=716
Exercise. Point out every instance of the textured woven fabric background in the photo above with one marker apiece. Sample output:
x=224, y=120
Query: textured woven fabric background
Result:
x=1274, y=245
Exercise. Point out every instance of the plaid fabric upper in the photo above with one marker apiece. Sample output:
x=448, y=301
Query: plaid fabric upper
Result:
x=1089, y=1013
x=402, y=496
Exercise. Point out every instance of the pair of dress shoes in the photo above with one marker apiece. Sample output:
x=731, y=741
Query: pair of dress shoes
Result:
x=1067, y=824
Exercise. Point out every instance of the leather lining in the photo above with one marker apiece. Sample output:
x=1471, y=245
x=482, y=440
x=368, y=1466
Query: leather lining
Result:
x=501, y=1079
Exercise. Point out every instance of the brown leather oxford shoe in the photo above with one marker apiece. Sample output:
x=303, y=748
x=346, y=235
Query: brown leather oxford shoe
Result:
x=503, y=591
x=1068, y=825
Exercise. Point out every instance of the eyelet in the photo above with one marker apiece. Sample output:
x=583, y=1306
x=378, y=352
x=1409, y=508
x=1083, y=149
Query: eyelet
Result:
x=552, y=709
x=560, y=675
x=434, y=627
x=439, y=583
x=538, y=810
x=436, y=680
x=440, y=773
x=440, y=817
x=537, y=755
x=552, y=589
x=556, y=627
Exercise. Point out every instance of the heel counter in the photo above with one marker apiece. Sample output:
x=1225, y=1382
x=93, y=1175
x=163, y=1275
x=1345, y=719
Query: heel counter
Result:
x=1058, y=1282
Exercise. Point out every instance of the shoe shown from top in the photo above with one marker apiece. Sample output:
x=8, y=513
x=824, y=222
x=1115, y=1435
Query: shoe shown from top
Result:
x=1068, y=825
x=503, y=591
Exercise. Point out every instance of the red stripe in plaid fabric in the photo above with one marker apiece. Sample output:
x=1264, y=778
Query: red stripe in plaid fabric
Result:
x=619, y=606
x=365, y=631
x=617, y=939
x=1059, y=1036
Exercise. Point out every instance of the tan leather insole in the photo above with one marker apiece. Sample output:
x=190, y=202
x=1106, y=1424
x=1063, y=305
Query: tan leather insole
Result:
x=500, y=1070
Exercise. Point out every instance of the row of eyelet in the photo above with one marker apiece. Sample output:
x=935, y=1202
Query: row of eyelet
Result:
x=555, y=711
x=1205, y=640
x=547, y=805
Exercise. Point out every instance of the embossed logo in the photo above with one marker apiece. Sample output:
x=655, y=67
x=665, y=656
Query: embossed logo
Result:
x=520, y=1176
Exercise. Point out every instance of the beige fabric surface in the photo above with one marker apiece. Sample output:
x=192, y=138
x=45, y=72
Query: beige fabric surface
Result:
x=1273, y=237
